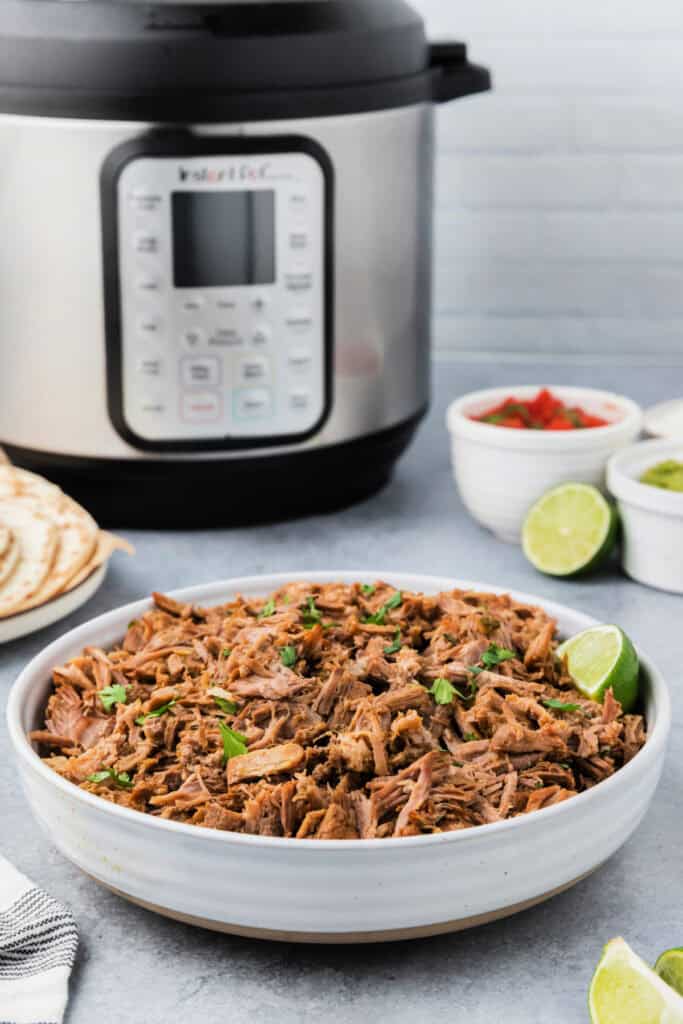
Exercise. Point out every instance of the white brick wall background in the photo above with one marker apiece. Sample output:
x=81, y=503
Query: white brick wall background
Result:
x=559, y=219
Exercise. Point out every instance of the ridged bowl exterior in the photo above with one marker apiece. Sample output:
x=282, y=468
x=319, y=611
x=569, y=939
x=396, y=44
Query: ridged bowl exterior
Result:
x=329, y=891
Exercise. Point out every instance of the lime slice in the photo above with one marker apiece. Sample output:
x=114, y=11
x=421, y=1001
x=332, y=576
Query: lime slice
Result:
x=571, y=529
x=601, y=657
x=624, y=990
x=669, y=967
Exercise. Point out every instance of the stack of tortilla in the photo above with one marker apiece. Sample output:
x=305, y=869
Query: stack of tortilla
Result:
x=48, y=542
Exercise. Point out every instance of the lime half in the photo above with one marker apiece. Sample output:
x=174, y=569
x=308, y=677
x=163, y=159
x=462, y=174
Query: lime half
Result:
x=669, y=967
x=571, y=529
x=624, y=990
x=601, y=657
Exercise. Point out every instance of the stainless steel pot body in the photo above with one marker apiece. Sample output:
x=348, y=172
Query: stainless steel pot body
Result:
x=53, y=377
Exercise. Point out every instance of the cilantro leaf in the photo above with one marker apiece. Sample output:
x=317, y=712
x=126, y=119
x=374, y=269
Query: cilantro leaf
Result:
x=226, y=652
x=226, y=705
x=157, y=713
x=368, y=589
x=495, y=654
x=560, y=705
x=121, y=779
x=267, y=610
x=442, y=691
x=379, y=616
x=112, y=695
x=394, y=647
x=288, y=656
x=310, y=614
x=234, y=743
x=469, y=737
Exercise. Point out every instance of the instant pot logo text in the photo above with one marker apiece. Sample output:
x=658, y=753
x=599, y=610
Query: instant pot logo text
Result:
x=216, y=175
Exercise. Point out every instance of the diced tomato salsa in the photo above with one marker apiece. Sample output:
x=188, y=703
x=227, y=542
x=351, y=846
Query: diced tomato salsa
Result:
x=544, y=412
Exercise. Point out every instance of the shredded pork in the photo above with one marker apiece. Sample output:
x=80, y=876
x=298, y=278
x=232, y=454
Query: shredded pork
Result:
x=349, y=711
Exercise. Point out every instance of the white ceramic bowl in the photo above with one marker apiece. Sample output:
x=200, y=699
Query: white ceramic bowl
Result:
x=335, y=891
x=501, y=472
x=652, y=518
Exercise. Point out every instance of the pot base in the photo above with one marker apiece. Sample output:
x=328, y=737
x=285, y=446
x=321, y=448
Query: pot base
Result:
x=348, y=938
x=190, y=493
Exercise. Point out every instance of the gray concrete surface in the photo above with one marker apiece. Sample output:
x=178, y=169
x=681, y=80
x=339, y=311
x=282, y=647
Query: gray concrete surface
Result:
x=137, y=968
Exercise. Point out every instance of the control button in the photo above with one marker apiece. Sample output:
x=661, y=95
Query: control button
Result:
x=254, y=368
x=261, y=335
x=192, y=303
x=145, y=243
x=302, y=282
x=299, y=320
x=145, y=200
x=192, y=338
x=204, y=372
x=200, y=407
x=152, y=407
x=226, y=305
x=253, y=402
x=150, y=367
x=148, y=284
x=299, y=241
x=226, y=337
x=299, y=400
x=298, y=204
x=299, y=358
x=259, y=303
x=149, y=326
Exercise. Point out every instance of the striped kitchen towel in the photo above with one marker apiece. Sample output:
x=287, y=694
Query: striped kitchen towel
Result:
x=38, y=941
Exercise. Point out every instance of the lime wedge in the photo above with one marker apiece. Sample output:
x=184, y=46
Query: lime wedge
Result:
x=624, y=990
x=669, y=967
x=571, y=529
x=601, y=657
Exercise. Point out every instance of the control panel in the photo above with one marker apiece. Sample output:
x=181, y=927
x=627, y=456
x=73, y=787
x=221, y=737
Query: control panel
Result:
x=222, y=290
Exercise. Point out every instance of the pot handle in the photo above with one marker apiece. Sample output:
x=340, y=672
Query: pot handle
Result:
x=453, y=74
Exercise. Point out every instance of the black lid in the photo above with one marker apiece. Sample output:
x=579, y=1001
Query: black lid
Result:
x=230, y=61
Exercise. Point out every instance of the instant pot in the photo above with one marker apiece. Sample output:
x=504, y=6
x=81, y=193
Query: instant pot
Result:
x=215, y=269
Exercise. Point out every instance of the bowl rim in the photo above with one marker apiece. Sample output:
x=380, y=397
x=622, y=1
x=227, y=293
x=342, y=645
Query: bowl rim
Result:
x=650, y=415
x=40, y=664
x=624, y=487
x=461, y=426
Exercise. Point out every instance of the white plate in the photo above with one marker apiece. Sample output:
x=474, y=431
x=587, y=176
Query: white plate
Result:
x=337, y=890
x=59, y=607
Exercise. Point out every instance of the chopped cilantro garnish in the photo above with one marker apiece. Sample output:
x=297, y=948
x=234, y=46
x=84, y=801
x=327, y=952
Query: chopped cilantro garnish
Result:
x=495, y=654
x=234, y=743
x=559, y=705
x=288, y=656
x=379, y=616
x=157, y=713
x=133, y=622
x=310, y=614
x=121, y=779
x=469, y=737
x=267, y=610
x=226, y=652
x=226, y=705
x=112, y=695
x=395, y=646
x=442, y=691
x=368, y=589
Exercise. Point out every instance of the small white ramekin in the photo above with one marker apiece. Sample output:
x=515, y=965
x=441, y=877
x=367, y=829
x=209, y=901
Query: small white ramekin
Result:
x=652, y=518
x=501, y=472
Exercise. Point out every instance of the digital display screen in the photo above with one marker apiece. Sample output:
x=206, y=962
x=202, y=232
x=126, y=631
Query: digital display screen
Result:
x=223, y=238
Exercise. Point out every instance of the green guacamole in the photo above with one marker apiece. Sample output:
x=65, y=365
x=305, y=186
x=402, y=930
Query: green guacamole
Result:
x=667, y=474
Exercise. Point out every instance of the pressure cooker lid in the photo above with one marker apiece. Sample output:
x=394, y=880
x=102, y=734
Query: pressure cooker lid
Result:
x=194, y=61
